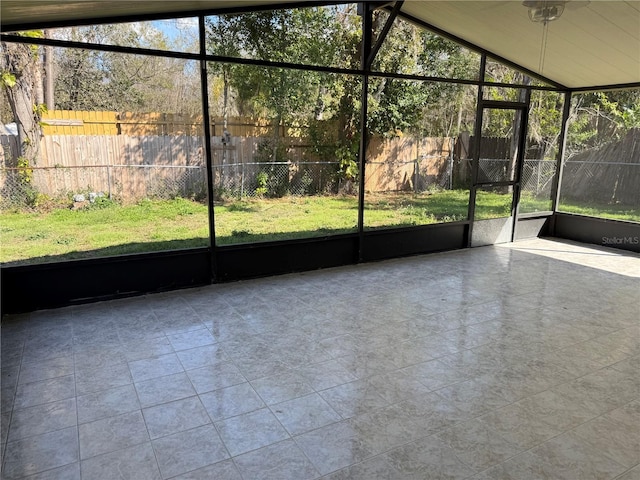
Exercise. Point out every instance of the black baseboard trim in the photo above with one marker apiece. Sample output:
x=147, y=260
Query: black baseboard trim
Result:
x=597, y=231
x=50, y=285
x=391, y=243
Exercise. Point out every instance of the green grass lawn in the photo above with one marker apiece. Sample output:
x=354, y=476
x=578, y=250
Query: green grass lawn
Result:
x=613, y=211
x=154, y=225
x=32, y=237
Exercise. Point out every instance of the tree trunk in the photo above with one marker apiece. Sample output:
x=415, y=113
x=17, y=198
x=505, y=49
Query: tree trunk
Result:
x=276, y=137
x=38, y=83
x=460, y=100
x=22, y=64
x=49, y=98
x=513, y=147
x=225, y=98
x=225, y=115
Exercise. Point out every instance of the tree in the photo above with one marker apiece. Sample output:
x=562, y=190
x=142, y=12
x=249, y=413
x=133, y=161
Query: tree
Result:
x=96, y=80
x=545, y=122
x=600, y=117
x=420, y=107
x=305, y=35
x=21, y=78
x=223, y=38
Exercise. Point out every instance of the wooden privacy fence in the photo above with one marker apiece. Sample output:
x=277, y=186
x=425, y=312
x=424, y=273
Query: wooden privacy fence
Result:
x=131, y=167
x=408, y=164
x=66, y=122
x=77, y=122
x=85, y=150
x=609, y=174
x=130, y=152
x=134, y=167
x=157, y=150
x=75, y=138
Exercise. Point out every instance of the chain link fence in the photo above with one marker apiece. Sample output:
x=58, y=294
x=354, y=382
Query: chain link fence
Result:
x=20, y=187
x=537, y=175
x=493, y=170
x=275, y=179
x=601, y=182
x=131, y=183
x=27, y=187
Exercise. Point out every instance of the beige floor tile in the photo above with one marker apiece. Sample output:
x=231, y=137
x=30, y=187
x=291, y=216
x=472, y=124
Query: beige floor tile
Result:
x=517, y=361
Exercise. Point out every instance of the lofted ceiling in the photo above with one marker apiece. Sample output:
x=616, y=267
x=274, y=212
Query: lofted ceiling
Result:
x=593, y=43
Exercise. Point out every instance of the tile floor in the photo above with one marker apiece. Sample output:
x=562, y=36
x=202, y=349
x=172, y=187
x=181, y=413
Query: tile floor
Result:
x=518, y=361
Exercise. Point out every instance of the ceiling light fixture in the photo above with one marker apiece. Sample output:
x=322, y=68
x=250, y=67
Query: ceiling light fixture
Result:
x=544, y=11
x=541, y=11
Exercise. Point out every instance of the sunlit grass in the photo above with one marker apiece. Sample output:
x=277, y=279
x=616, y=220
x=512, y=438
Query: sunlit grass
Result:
x=155, y=225
x=612, y=212
x=116, y=229
x=281, y=218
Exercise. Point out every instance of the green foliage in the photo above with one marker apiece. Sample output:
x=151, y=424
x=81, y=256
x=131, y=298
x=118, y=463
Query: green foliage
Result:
x=348, y=168
x=32, y=34
x=102, y=202
x=545, y=121
x=332, y=36
x=306, y=182
x=428, y=108
x=601, y=117
x=305, y=35
x=271, y=150
x=8, y=80
x=24, y=193
x=410, y=49
x=392, y=106
x=273, y=177
x=25, y=172
x=322, y=136
x=262, y=180
x=439, y=57
x=97, y=80
x=324, y=145
x=580, y=134
x=621, y=110
x=40, y=109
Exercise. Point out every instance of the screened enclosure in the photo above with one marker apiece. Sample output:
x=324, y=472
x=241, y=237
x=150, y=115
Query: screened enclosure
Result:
x=241, y=142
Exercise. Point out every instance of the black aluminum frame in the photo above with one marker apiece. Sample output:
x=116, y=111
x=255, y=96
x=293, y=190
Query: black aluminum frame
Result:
x=523, y=109
x=22, y=286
